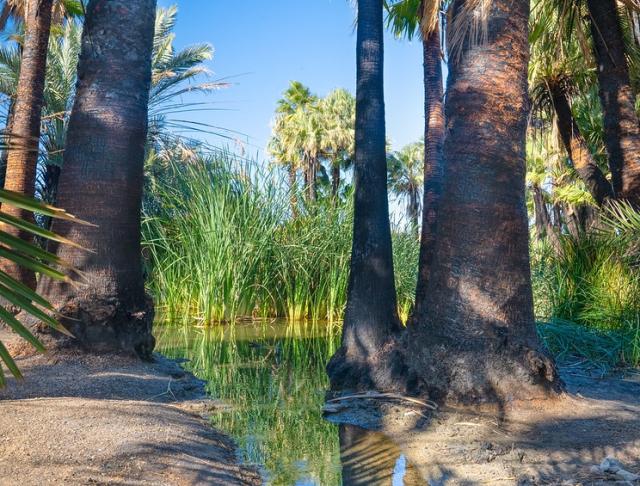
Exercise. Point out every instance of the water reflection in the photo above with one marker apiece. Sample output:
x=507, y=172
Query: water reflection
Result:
x=271, y=378
x=371, y=459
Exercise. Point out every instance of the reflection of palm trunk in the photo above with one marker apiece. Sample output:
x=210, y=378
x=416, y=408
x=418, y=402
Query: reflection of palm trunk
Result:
x=370, y=458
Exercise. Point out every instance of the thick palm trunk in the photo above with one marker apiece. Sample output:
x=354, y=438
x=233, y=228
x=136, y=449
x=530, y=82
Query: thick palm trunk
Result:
x=578, y=150
x=433, y=161
x=474, y=339
x=621, y=123
x=371, y=316
x=102, y=182
x=20, y=175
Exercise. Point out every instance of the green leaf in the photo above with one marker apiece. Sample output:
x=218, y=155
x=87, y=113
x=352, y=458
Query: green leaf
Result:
x=11, y=364
x=19, y=328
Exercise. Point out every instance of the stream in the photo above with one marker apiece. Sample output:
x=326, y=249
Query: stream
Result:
x=270, y=380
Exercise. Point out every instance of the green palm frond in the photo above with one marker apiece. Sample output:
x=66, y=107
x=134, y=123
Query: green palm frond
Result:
x=34, y=258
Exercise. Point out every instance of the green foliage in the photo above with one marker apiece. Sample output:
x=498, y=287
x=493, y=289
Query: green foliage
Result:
x=594, y=282
x=34, y=258
x=223, y=245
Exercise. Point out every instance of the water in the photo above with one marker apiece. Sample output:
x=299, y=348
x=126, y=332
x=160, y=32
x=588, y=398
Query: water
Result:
x=271, y=382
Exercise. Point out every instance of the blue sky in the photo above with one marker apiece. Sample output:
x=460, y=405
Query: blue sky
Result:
x=260, y=45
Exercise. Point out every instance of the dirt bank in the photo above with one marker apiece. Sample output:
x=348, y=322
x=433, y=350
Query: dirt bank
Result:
x=103, y=420
x=555, y=443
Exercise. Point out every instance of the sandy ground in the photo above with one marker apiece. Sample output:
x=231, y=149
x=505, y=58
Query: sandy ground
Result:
x=105, y=420
x=556, y=443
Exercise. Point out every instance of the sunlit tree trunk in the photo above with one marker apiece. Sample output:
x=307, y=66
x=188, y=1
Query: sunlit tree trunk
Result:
x=621, y=123
x=22, y=159
x=102, y=182
x=371, y=316
x=578, y=150
x=474, y=339
x=433, y=161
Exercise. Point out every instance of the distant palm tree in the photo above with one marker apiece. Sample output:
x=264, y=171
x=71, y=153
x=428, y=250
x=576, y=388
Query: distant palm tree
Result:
x=22, y=158
x=406, y=177
x=338, y=111
x=609, y=51
x=298, y=133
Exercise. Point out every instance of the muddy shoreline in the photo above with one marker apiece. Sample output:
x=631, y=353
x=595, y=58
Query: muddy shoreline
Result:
x=79, y=419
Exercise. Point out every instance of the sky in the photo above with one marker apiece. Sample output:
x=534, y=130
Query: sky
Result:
x=261, y=45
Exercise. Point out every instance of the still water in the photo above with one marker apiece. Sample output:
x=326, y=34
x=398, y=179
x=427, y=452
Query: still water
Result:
x=270, y=380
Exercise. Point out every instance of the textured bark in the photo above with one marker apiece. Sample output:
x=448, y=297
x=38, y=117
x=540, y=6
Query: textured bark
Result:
x=413, y=208
x=621, y=123
x=371, y=316
x=102, y=183
x=22, y=158
x=474, y=339
x=433, y=161
x=578, y=150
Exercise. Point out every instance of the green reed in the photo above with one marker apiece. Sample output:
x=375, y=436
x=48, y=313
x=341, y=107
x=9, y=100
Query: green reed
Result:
x=221, y=244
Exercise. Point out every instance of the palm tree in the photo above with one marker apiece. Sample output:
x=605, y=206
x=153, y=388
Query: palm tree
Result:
x=408, y=18
x=104, y=157
x=338, y=110
x=621, y=122
x=473, y=337
x=552, y=88
x=297, y=136
x=371, y=317
x=406, y=176
x=25, y=124
x=609, y=52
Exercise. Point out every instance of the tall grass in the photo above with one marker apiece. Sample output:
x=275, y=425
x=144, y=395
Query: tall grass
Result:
x=593, y=282
x=222, y=245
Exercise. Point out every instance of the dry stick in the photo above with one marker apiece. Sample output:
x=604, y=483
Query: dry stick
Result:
x=397, y=396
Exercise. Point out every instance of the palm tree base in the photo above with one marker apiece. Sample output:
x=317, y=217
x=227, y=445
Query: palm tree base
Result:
x=99, y=326
x=448, y=372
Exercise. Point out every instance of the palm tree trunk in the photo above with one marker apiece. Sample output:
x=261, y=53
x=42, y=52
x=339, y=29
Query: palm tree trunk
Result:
x=621, y=123
x=335, y=180
x=544, y=226
x=293, y=190
x=414, y=209
x=4, y=157
x=371, y=316
x=102, y=183
x=433, y=161
x=474, y=339
x=578, y=150
x=22, y=158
